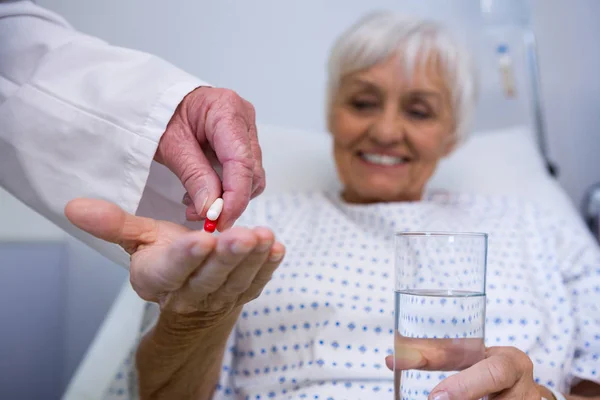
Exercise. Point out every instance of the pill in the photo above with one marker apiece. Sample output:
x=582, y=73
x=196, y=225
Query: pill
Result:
x=215, y=210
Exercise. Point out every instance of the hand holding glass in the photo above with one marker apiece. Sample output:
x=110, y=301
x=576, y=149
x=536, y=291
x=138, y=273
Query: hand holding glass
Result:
x=440, y=308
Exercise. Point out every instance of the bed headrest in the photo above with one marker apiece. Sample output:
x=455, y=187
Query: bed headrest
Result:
x=503, y=161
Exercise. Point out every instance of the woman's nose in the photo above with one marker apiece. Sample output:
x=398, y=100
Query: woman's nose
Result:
x=388, y=129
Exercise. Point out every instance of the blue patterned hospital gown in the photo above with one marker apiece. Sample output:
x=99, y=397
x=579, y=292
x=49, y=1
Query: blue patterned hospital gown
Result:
x=322, y=327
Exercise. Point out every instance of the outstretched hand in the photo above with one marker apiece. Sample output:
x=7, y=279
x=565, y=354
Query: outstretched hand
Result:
x=184, y=271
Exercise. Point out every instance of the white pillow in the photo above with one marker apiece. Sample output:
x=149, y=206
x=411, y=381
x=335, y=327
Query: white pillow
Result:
x=503, y=161
x=296, y=160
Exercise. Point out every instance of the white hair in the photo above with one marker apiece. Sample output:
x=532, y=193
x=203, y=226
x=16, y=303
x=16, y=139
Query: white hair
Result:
x=380, y=35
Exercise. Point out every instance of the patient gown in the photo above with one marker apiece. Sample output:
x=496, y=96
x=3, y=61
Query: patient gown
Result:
x=323, y=326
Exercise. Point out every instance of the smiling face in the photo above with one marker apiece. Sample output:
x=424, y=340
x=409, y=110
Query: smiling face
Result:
x=390, y=132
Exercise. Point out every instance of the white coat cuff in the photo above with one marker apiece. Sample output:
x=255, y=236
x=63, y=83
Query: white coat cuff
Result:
x=143, y=150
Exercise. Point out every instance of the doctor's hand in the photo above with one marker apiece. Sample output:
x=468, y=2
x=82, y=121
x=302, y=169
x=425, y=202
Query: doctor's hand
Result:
x=214, y=128
x=185, y=272
x=504, y=373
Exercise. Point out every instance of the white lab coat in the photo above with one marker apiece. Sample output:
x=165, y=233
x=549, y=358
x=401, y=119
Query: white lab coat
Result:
x=82, y=118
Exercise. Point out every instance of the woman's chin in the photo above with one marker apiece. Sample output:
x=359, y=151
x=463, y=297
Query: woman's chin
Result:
x=382, y=193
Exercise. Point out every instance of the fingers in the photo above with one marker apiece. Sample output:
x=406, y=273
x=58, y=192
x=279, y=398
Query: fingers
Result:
x=505, y=368
x=109, y=222
x=241, y=265
x=182, y=154
x=222, y=120
x=436, y=354
x=265, y=273
x=233, y=246
x=258, y=180
x=152, y=276
x=240, y=279
x=237, y=181
x=227, y=130
x=190, y=208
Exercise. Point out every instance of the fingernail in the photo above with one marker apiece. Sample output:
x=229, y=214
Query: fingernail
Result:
x=240, y=248
x=440, y=396
x=200, y=200
x=264, y=246
x=408, y=358
x=191, y=215
x=187, y=200
x=276, y=257
x=389, y=362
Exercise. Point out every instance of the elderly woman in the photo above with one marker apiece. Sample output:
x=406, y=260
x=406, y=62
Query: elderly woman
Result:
x=400, y=96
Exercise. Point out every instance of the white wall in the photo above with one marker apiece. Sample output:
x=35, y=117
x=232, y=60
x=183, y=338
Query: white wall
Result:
x=274, y=52
x=568, y=33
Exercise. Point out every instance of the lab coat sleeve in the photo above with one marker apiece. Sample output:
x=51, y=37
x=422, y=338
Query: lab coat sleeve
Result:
x=80, y=118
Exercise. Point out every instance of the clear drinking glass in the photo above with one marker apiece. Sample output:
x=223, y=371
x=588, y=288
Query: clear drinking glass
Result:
x=440, y=307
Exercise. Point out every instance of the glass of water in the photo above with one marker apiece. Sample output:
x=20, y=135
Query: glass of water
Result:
x=440, y=308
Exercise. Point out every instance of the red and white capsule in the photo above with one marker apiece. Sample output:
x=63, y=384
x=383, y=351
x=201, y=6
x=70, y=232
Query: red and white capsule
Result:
x=212, y=215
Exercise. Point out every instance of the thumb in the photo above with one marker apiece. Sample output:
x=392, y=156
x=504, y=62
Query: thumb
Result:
x=109, y=222
x=186, y=159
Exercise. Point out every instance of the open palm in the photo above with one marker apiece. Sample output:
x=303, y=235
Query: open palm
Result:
x=185, y=271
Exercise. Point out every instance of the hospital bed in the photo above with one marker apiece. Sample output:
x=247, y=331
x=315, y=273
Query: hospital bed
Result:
x=505, y=155
x=505, y=161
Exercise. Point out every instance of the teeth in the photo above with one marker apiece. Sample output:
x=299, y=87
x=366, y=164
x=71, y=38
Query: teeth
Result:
x=382, y=159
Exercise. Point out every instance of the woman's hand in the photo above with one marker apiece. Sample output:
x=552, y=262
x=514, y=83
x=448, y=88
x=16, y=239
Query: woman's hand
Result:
x=187, y=272
x=504, y=373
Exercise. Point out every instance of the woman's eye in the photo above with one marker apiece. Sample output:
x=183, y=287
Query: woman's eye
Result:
x=363, y=104
x=419, y=113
